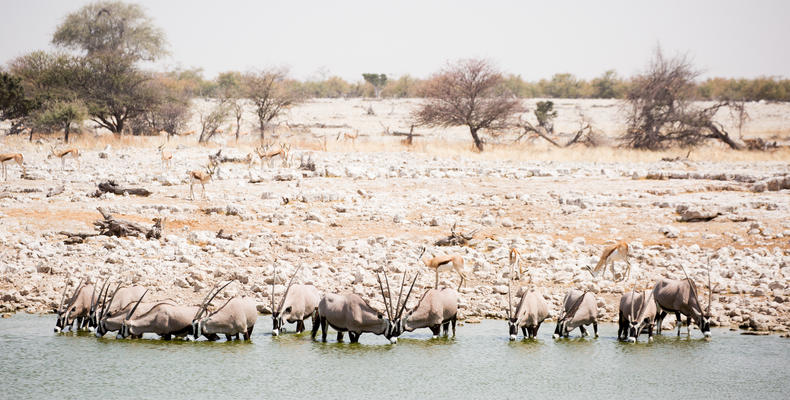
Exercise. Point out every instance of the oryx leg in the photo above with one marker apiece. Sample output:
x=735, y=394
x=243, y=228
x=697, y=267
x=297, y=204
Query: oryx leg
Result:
x=166, y=337
x=228, y=337
x=660, y=319
x=323, y=329
x=526, y=331
x=299, y=326
x=584, y=331
x=446, y=328
x=678, y=321
x=595, y=328
x=340, y=337
x=354, y=336
x=621, y=326
x=315, y=326
x=452, y=323
x=248, y=334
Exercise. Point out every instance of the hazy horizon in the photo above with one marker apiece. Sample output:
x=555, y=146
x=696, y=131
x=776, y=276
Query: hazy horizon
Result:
x=316, y=40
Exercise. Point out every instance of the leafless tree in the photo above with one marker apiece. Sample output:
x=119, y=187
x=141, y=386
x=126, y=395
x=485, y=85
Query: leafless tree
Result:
x=466, y=93
x=210, y=121
x=270, y=94
x=661, y=112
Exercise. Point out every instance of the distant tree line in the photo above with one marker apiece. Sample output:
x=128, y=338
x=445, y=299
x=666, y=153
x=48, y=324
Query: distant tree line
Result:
x=96, y=74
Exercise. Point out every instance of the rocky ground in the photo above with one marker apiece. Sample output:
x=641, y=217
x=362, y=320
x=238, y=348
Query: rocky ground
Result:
x=352, y=212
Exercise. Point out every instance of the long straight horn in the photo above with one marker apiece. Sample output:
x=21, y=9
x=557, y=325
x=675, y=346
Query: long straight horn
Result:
x=633, y=299
x=381, y=288
x=403, y=307
x=288, y=288
x=389, y=292
x=131, y=312
x=509, y=299
x=93, y=294
x=274, y=279
x=402, y=281
x=63, y=297
x=692, y=288
x=106, y=307
x=205, y=306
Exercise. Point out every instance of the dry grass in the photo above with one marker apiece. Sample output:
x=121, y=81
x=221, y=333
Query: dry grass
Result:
x=430, y=147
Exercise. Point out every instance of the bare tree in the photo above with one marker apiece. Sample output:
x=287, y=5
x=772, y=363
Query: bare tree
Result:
x=466, y=93
x=270, y=94
x=211, y=121
x=661, y=112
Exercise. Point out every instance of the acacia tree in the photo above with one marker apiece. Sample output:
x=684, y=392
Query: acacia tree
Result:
x=467, y=93
x=112, y=38
x=661, y=112
x=377, y=80
x=270, y=94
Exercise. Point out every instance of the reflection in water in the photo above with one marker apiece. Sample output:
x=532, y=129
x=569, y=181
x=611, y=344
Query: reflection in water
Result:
x=479, y=363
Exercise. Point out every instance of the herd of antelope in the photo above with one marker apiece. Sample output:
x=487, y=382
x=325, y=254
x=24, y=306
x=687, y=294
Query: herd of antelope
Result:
x=102, y=309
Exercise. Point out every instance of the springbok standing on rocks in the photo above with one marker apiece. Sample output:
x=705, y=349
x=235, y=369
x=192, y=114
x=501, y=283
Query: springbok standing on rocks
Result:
x=298, y=303
x=283, y=152
x=515, y=264
x=348, y=136
x=449, y=262
x=165, y=156
x=530, y=313
x=617, y=252
x=579, y=309
x=73, y=152
x=680, y=296
x=16, y=157
x=236, y=317
x=197, y=176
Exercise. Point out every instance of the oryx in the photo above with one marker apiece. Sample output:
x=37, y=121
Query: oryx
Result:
x=637, y=313
x=76, y=309
x=298, y=303
x=123, y=296
x=437, y=310
x=164, y=319
x=680, y=296
x=531, y=311
x=110, y=315
x=579, y=309
x=348, y=312
x=236, y=317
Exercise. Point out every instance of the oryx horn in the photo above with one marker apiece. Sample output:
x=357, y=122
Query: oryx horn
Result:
x=403, y=307
x=287, y=288
x=131, y=312
x=384, y=298
x=204, y=307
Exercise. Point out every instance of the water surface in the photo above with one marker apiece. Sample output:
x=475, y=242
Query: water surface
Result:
x=479, y=363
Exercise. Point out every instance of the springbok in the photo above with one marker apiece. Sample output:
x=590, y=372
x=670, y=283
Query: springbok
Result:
x=16, y=157
x=265, y=154
x=579, y=309
x=346, y=136
x=236, y=317
x=530, y=313
x=637, y=312
x=617, y=252
x=515, y=263
x=62, y=154
x=680, y=296
x=449, y=262
x=350, y=313
x=436, y=310
x=165, y=156
x=197, y=176
x=164, y=319
x=298, y=303
x=77, y=308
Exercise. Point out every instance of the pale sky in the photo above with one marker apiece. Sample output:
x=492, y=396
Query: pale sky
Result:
x=315, y=39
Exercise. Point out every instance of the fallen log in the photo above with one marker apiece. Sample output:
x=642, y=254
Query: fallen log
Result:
x=114, y=188
x=456, y=239
x=111, y=226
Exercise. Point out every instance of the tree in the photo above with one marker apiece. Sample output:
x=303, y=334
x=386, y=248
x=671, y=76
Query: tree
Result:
x=564, y=86
x=377, y=80
x=15, y=105
x=111, y=27
x=169, y=109
x=466, y=93
x=61, y=114
x=112, y=38
x=270, y=94
x=660, y=108
x=607, y=86
x=212, y=120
